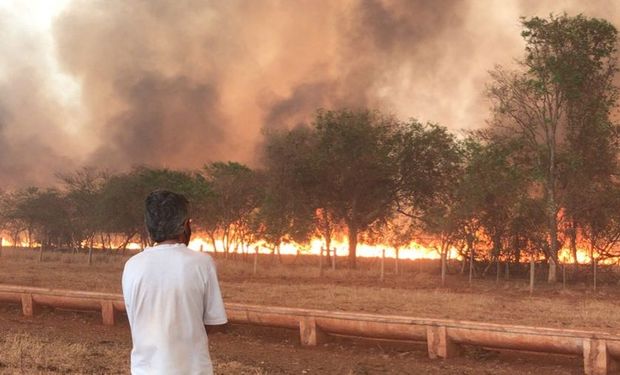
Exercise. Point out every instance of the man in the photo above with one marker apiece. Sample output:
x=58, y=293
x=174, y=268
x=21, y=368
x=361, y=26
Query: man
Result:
x=171, y=293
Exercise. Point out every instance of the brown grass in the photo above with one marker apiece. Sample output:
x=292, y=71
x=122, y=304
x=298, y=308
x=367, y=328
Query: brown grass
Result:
x=27, y=354
x=413, y=293
x=24, y=353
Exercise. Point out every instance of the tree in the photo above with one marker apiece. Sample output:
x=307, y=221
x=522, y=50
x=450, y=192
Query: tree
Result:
x=600, y=220
x=234, y=193
x=565, y=58
x=340, y=169
x=292, y=187
x=356, y=152
x=82, y=190
x=293, y=170
x=494, y=182
x=429, y=162
x=43, y=215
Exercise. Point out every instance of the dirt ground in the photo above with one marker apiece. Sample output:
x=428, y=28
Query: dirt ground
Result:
x=66, y=342
x=61, y=342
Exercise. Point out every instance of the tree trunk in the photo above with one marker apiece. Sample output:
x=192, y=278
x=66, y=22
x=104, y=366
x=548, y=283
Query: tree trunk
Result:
x=517, y=248
x=328, y=244
x=593, y=261
x=497, y=250
x=573, y=242
x=552, y=215
x=109, y=242
x=90, y=253
x=444, y=253
x=352, y=246
x=497, y=271
x=553, y=269
x=532, y=270
x=212, y=237
x=470, y=244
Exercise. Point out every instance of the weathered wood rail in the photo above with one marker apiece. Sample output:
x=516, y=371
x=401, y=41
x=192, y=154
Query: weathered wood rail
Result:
x=443, y=336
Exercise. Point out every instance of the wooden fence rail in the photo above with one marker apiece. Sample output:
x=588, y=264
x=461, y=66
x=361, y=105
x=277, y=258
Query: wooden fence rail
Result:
x=443, y=336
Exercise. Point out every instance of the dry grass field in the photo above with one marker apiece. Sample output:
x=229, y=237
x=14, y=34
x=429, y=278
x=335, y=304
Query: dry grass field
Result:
x=64, y=342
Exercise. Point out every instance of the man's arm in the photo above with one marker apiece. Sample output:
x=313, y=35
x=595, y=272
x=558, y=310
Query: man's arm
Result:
x=214, y=315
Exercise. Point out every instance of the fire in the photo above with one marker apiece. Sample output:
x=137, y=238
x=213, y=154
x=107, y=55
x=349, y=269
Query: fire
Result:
x=413, y=251
x=583, y=256
x=134, y=246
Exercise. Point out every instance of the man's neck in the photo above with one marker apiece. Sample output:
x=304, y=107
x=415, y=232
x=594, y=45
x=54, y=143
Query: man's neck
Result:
x=170, y=242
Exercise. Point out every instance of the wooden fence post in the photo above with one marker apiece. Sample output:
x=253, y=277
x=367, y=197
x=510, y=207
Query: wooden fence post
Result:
x=532, y=266
x=382, y=277
x=255, y=260
x=396, y=253
x=596, y=359
x=563, y=276
x=309, y=333
x=29, y=307
x=321, y=262
x=1, y=240
x=595, y=264
x=107, y=313
x=439, y=344
x=443, y=266
x=333, y=259
x=471, y=265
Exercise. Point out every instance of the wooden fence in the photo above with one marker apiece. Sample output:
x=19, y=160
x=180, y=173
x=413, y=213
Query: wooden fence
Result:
x=443, y=336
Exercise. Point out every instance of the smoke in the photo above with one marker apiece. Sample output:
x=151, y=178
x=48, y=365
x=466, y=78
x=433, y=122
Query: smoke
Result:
x=30, y=116
x=182, y=83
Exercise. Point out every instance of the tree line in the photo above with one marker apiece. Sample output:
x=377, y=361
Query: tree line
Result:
x=542, y=175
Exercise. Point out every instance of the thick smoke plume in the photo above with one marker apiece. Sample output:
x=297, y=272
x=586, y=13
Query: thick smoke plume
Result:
x=181, y=83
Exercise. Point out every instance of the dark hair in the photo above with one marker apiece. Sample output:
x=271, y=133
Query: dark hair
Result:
x=165, y=215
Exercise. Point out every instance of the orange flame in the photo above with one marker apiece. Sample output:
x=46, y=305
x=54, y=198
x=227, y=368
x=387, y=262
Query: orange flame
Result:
x=413, y=251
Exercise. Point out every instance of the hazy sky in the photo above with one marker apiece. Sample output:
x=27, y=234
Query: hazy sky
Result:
x=178, y=83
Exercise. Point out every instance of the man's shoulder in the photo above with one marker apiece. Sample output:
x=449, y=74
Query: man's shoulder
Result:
x=136, y=258
x=200, y=257
x=182, y=252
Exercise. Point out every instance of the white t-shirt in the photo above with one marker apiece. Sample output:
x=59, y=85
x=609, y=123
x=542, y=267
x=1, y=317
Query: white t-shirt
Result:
x=171, y=293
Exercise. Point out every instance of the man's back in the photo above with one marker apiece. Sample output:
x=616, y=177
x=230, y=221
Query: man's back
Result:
x=171, y=293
